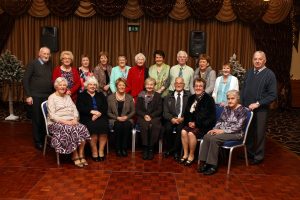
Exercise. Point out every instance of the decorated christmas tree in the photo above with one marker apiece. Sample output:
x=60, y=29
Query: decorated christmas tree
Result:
x=237, y=69
x=11, y=72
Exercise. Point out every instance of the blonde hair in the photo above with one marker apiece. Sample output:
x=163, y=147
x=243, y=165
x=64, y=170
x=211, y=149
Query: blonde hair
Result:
x=69, y=53
x=140, y=55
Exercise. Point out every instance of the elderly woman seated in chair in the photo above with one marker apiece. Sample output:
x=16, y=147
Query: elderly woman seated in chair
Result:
x=68, y=135
x=228, y=127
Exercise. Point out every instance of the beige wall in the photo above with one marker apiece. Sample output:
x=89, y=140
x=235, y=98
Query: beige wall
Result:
x=295, y=67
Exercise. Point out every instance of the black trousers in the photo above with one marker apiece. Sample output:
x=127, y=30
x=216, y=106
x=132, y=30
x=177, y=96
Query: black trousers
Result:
x=122, y=131
x=38, y=123
x=257, y=134
x=172, y=140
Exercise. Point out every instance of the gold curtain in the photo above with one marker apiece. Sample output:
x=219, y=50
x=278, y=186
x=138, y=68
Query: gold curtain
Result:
x=247, y=10
x=92, y=35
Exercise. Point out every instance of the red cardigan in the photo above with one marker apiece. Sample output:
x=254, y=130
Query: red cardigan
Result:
x=135, y=80
x=76, y=79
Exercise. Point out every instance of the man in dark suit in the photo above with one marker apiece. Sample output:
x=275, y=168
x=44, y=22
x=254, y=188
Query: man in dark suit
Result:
x=174, y=106
x=38, y=86
x=259, y=91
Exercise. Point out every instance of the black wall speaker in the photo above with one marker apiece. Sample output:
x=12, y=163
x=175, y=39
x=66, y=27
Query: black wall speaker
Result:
x=49, y=38
x=197, y=43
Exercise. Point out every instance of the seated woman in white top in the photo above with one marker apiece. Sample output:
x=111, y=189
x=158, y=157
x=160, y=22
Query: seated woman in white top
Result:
x=68, y=135
x=223, y=84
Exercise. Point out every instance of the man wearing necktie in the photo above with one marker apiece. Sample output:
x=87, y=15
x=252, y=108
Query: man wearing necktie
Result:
x=182, y=70
x=259, y=91
x=174, y=106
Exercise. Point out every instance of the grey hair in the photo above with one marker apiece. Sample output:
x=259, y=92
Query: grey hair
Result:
x=91, y=80
x=59, y=80
x=139, y=55
x=261, y=53
x=235, y=93
x=182, y=52
x=150, y=80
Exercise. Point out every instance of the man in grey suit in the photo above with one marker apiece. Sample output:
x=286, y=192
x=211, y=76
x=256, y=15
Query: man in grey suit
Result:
x=38, y=86
x=259, y=91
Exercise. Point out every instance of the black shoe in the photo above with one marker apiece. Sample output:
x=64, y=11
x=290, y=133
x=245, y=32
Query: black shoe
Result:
x=150, y=155
x=124, y=153
x=145, y=155
x=96, y=159
x=119, y=153
x=101, y=158
x=203, y=168
x=39, y=147
x=167, y=154
x=255, y=162
x=182, y=160
x=176, y=156
x=210, y=171
x=189, y=162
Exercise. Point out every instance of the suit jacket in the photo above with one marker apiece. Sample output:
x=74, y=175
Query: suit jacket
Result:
x=128, y=108
x=204, y=115
x=169, y=105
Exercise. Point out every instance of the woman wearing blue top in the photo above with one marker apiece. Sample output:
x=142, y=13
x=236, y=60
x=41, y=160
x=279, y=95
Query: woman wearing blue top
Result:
x=119, y=71
x=92, y=107
x=223, y=84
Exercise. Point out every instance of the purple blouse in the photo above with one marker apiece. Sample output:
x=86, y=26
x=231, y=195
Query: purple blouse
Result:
x=232, y=121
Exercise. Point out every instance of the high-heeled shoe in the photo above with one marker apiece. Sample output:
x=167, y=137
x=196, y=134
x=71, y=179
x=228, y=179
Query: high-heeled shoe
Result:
x=101, y=158
x=77, y=162
x=83, y=161
x=189, y=162
x=182, y=160
x=96, y=159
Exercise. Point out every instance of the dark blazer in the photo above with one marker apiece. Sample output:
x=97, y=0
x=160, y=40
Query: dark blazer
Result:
x=85, y=105
x=154, y=109
x=169, y=105
x=128, y=108
x=204, y=115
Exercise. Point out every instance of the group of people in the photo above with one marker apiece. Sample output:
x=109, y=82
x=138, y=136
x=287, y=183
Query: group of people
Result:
x=175, y=102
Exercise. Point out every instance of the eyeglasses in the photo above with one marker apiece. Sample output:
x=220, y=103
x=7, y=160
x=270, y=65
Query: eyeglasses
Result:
x=67, y=59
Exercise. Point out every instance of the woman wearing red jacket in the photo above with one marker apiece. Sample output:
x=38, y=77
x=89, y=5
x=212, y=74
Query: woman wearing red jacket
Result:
x=68, y=72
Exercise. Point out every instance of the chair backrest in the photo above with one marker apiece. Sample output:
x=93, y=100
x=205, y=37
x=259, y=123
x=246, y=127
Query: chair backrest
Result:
x=247, y=124
x=219, y=110
x=45, y=113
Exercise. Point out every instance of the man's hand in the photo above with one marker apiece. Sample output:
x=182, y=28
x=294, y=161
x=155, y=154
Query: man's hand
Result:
x=29, y=100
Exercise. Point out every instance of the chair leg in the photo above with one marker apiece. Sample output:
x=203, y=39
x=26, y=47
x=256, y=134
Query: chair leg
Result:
x=57, y=159
x=246, y=155
x=45, y=145
x=160, y=145
x=229, y=161
x=133, y=140
x=107, y=148
x=201, y=141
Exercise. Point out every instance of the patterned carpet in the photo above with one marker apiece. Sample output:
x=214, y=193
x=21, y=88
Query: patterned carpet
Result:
x=283, y=126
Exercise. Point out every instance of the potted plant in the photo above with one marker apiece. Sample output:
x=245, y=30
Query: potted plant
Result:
x=11, y=72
